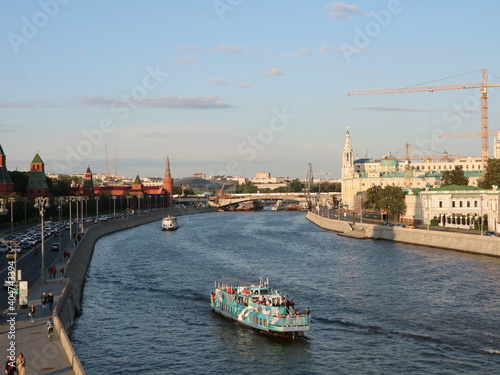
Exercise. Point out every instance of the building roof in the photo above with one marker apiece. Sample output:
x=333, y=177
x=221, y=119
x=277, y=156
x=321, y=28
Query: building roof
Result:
x=137, y=181
x=37, y=159
x=456, y=187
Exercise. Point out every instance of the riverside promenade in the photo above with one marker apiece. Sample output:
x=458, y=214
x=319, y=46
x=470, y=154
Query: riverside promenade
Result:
x=42, y=355
x=58, y=357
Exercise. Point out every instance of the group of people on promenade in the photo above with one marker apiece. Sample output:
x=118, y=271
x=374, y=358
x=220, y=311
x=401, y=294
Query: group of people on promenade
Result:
x=53, y=272
x=19, y=365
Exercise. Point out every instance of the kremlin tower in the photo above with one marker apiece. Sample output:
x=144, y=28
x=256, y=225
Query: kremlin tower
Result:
x=168, y=184
x=6, y=185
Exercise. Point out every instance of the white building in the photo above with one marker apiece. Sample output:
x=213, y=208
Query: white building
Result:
x=358, y=175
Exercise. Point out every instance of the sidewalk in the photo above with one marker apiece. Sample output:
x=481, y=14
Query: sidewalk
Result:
x=42, y=355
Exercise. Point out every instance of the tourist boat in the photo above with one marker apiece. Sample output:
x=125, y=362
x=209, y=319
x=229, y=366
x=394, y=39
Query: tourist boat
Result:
x=257, y=306
x=169, y=223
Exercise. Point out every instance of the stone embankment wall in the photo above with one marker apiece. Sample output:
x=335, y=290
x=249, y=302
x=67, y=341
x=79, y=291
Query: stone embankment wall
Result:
x=70, y=303
x=470, y=243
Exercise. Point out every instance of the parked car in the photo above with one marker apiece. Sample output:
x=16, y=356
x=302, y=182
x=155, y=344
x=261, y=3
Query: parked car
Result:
x=410, y=226
x=11, y=255
x=16, y=248
x=55, y=246
x=490, y=233
x=3, y=248
x=399, y=225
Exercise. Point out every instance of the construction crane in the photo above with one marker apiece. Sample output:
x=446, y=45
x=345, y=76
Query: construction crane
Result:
x=409, y=157
x=483, y=85
x=107, y=163
x=490, y=133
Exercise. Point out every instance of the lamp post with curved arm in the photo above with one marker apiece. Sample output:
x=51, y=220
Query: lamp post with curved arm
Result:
x=11, y=201
x=42, y=203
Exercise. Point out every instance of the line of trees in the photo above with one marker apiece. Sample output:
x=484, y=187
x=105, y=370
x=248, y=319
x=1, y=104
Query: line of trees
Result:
x=389, y=198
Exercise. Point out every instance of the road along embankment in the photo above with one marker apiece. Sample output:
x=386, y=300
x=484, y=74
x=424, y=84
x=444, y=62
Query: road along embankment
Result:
x=70, y=302
x=469, y=243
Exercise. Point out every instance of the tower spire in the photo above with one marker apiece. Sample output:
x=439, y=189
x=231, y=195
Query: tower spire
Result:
x=347, y=156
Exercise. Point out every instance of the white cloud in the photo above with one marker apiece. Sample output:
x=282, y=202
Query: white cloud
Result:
x=244, y=84
x=184, y=60
x=342, y=12
x=189, y=48
x=303, y=52
x=164, y=101
x=220, y=81
x=225, y=47
x=275, y=72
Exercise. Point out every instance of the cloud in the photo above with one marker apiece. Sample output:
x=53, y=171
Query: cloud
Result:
x=155, y=134
x=342, y=12
x=189, y=48
x=275, y=72
x=224, y=47
x=220, y=81
x=184, y=60
x=244, y=84
x=303, y=52
x=164, y=101
x=395, y=109
x=6, y=129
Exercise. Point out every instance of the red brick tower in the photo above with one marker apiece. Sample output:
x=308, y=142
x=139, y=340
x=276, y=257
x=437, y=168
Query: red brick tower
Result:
x=168, y=184
x=6, y=184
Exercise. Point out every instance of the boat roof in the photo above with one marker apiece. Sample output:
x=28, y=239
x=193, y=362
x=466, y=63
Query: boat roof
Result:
x=234, y=281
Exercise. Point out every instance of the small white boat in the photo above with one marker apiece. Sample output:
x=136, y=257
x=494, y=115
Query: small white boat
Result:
x=169, y=223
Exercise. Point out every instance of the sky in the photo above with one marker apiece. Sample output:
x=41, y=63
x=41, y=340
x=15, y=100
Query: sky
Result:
x=236, y=87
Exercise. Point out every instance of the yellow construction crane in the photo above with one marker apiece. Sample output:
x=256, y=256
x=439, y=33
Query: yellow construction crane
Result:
x=483, y=85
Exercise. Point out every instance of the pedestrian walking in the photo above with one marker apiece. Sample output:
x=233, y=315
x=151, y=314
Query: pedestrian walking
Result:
x=10, y=367
x=35, y=250
x=31, y=313
x=54, y=271
x=62, y=272
x=50, y=301
x=43, y=299
x=21, y=364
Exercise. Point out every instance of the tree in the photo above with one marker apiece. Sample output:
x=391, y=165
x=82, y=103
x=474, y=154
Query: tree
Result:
x=247, y=187
x=393, y=200
x=454, y=177
x=20, y=181
x=295, y=186
x=59, y=186
x=492, y=175
x=373, y=198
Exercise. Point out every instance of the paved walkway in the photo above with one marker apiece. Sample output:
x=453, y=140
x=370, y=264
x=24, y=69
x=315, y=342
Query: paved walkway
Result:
x=42, y=355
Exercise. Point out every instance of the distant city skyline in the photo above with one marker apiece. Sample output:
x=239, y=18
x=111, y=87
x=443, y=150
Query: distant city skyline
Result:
x=237, y=87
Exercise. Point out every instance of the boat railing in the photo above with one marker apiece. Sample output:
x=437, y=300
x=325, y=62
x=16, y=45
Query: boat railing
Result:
x=290, y=321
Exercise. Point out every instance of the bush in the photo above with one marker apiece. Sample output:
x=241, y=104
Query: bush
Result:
x=434, y=222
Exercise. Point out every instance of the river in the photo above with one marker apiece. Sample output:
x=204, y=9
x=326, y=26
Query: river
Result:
x=377, y=307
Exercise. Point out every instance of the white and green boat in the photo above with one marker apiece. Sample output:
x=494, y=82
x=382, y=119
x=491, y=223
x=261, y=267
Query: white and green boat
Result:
x=257, y=306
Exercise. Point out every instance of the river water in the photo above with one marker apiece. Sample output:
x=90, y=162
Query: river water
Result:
x=377, y=307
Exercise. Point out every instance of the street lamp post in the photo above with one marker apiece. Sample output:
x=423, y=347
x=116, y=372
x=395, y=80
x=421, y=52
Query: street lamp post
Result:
x=481, y=218
x=11, y=201
x=25, y=217
x=114, y=205
x=70, y=200
x=97, y=206
x=42, y=203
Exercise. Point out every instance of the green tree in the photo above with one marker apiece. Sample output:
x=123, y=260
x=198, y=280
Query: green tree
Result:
x=454, y=177
x=247, y=188
x=59, y=186
x=20, y=181
x=492, y=175
x=372, y=199
x=295, y=186
x=393, y=200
